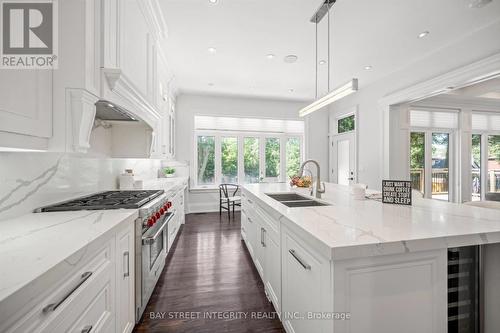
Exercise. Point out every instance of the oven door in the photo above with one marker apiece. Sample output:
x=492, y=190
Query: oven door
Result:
x=154, y=253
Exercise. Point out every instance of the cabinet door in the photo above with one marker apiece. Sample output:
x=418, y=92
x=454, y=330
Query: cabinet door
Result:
x=272, y=269
x=251, y=235
x=304, y=278
x=125, y=303
x=259, y=246
x=26, y=103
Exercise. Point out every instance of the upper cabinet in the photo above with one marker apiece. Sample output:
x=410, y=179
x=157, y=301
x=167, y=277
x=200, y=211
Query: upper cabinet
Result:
x=108, y=50
x=25, y=108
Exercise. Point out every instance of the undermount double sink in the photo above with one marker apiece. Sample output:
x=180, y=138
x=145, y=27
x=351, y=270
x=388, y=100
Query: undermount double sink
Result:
x=292, y=199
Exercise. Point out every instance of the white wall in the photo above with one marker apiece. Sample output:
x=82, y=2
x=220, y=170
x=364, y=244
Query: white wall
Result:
x=472, y=47
x=189, y=105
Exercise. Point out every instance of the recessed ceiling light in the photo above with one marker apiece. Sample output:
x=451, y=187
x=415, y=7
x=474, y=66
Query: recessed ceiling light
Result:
x=212, y=50
x=270, y=56
x=211, y=84
x=213, y=2
x=290, y=58
x=423, y=34
x=367, y=68
x=322, y=62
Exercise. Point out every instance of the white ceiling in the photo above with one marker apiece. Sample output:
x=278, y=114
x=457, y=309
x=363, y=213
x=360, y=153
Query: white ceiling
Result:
x=382, y=34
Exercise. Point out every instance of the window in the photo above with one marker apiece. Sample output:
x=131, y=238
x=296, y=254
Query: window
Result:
x=246, y=150
x=493, y=180
x=206, y=160
x=251, y=160
x=293, y=159
x=476, y=167
x=417, y=161
x=229, y=160
x=273, y=158
x=346, y=124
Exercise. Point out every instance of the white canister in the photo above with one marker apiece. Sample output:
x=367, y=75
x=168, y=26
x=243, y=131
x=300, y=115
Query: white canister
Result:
x=127, y=180
x=358, y=191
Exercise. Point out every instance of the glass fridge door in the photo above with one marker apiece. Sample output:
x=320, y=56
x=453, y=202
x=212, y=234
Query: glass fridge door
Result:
x=464, y=289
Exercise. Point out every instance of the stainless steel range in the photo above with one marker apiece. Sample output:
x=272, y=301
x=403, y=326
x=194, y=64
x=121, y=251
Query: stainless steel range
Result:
x=151, y=230
x=151, y=246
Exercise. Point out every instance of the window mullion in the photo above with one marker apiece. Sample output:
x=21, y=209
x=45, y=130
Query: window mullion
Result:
x=218, y=157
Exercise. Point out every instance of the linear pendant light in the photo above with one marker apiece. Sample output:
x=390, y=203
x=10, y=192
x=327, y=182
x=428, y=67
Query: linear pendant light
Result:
x=338, y=93
x=335, y=95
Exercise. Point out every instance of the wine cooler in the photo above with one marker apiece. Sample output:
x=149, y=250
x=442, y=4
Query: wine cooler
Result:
x=464, y=289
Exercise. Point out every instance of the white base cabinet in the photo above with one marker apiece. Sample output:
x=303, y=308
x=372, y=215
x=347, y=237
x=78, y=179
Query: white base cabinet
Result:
x=306, y=283
x=92, y=291
x=314, y=293
x=261, y=235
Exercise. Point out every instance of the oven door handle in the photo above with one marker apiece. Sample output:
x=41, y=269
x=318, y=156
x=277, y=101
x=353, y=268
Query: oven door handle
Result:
x=150, y=239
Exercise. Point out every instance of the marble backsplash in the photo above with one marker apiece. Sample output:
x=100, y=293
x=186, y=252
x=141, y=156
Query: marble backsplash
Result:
x=29, y=180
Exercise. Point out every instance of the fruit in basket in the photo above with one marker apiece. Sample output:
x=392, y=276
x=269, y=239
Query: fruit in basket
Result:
x=304, y=181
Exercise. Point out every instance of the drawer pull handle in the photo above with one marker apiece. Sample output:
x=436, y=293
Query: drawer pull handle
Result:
x=87, y=329
x=249, y=220
x=126, y=256
x=250, y=201
x=53, y=306
x=299, y=259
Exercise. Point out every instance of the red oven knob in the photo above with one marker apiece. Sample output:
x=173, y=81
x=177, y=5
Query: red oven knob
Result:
x=150, y=222
x=165, y=207
x=158, y=215
x=169, y=204
x=153, y=218
x=162, y=211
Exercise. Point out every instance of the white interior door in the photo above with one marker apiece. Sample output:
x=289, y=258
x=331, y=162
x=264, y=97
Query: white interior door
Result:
x=343, y=150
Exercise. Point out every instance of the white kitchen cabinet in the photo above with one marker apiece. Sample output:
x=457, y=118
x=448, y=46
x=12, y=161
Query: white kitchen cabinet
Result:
x=92, y=290
x=25, y=108
x=306, y=282
x=125, y=281
x=263, y=241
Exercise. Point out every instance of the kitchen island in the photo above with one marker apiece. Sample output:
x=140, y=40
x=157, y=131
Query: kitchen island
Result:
x=364, y=266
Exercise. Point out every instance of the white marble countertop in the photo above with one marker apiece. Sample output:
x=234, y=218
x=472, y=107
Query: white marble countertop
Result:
x=359, y=228
x=32, y=244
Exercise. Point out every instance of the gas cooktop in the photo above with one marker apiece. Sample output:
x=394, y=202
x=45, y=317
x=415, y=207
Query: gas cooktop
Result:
x=106, y=200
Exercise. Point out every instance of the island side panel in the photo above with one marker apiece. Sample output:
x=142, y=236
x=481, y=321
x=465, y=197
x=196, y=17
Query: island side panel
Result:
x=393, y=293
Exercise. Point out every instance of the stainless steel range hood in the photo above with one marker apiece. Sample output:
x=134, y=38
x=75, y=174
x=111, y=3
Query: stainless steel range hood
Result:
x=106, y=110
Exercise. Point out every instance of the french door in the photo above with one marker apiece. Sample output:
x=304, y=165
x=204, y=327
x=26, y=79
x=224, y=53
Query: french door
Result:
x=431, y=163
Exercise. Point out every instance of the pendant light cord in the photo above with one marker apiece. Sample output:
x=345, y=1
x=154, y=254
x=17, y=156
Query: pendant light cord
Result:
x=328, y=13
x=316, y=58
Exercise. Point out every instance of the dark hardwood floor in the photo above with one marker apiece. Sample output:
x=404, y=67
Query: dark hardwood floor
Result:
x=209, y=273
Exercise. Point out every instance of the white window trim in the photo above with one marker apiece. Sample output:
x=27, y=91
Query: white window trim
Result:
x=240, y=136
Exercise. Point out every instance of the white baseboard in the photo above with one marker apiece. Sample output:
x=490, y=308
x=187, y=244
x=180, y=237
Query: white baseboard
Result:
x=205, y=207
